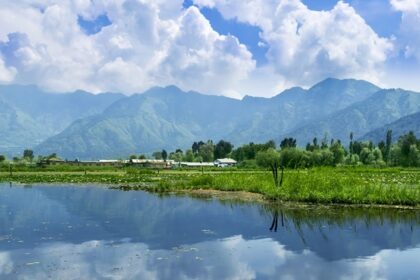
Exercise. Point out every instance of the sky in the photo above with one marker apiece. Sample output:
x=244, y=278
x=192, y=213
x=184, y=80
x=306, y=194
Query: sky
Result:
x=223, y=47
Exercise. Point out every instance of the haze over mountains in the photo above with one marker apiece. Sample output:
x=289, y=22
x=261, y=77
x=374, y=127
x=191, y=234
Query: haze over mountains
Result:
x=86, y=126
x=29, y=116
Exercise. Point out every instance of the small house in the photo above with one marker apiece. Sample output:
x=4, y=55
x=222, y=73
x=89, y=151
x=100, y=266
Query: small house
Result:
x=225, y=162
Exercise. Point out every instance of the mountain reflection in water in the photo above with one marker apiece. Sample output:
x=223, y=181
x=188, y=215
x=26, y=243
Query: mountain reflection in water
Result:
x=90, y=232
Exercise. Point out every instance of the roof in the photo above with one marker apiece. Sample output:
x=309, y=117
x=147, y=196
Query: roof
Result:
x=155, y=161
x=197, y=164
x=226, y=161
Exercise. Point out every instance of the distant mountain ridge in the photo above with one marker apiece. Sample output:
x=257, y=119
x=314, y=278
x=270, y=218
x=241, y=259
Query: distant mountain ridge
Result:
x=383, y=107
x=398, y=127
x=30, y=115
x=86, y=126
x=170, y=118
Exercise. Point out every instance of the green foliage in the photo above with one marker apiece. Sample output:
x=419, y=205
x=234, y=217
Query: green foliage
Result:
x=177, y=156
x=288, y=143
x=343, y=185
x=2, y=158
x=164, y=155
x=202, y=181
x=157, y=155
x=268, y=158
x=271, y=159
x=248, y=164
x=206, y=151
x=28, y=154
x=249, y=151
x=189, y=156
x=222, y=149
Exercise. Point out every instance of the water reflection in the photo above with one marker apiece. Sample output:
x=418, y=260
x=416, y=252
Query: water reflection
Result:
x=89, y=232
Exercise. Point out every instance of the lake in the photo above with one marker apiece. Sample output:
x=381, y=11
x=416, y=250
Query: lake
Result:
x=93, y=232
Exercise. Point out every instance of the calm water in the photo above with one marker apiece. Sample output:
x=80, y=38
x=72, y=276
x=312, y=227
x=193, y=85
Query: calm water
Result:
x=67, y=232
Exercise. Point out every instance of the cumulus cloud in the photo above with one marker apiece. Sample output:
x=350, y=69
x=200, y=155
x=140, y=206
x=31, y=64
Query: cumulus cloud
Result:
x=149, y=43
x=158, y=43
x=305, y=46
x=6, y=74
x=410, y=26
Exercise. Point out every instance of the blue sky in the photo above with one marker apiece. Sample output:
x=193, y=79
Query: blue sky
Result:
x=229, y=47
x=379, y=14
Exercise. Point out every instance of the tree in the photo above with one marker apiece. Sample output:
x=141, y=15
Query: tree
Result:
x=271, y=159
x=195, y=148
x=206, y=151
x=314, y=146
x=132, y=157
x=338, y=152
x=142, y=156
x=2, y=158
x=189, y=156
x=351, y=143
x=288, y=143
x=388, y=145
x=157, y=155
x=408, y=149
x=28, y=154
x=366, y=156
x=177, y=156
x=222, y=149
x=164, y=155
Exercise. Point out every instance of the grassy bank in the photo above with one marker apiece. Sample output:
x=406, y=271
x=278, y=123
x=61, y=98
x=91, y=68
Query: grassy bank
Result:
x=319, y=185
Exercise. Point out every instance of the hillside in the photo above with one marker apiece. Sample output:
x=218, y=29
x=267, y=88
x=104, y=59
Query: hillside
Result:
x=399, y=127
x=30, y=115
x=383, y=107
x=170, y=118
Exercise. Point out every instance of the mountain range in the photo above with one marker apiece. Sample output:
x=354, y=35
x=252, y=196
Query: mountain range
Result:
x=86, y=126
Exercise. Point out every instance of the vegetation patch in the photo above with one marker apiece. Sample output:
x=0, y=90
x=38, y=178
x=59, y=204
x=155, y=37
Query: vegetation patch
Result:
x=323, y=185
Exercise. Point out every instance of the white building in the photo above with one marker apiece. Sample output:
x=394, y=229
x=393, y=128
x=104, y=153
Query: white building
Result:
x=225, y=162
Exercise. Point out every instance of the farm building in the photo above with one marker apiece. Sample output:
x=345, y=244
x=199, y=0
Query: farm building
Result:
x=225, y=162
x=59, y=162
x=151, y=163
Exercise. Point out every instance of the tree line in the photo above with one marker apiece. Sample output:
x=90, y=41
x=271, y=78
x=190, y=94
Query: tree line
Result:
x=200, y=152
x=405, y=151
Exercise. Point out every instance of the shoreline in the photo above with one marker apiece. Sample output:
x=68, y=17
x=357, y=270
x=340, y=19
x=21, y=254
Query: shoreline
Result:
x=222, y=195
x=392, y=188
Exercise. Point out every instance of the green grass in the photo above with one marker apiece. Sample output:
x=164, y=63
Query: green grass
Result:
x=345, y=185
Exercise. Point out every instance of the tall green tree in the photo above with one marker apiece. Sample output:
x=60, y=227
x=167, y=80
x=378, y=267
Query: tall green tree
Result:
x=338, y=152
x=206, y=151
x=222, y=149
x=271, y=159
x=28, y=154
x=388, y=143
x=288, y=143
x=164, y=155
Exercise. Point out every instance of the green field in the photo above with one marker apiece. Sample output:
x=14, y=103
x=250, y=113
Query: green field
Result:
x=328, y=185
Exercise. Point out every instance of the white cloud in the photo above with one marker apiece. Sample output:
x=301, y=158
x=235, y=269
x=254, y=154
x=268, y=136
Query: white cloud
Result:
x=158, y=43
x=406, y=5
x=409, y=37
x=305, y=46
x=6, y=74
x=149, y=43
